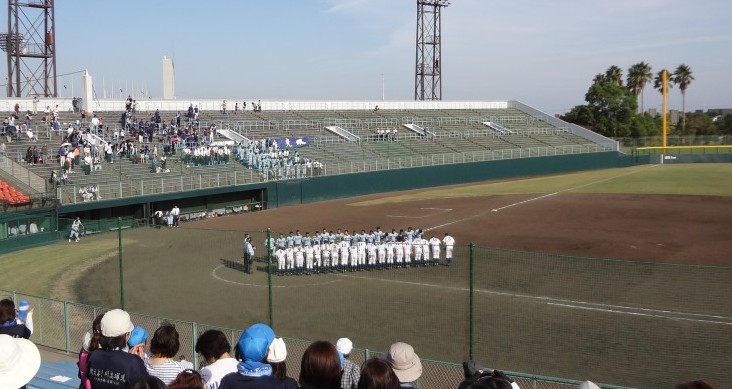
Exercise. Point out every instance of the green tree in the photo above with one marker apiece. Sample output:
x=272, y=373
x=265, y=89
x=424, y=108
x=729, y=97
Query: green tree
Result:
x=699, y=124
x=638, y=76
x=724, y=125
x=643, y=126
x=581, y=115
x=682, y=77
x=613, y=108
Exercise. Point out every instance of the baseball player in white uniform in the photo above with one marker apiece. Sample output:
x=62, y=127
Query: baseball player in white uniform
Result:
x=381, y=252
x=425, y=249
x=399, y=253
x=280, y=255
x=407, y=247
x=361, y=247
x=371, y=250
x=299, y=259
x=290, y=259
x=343, y=248
x=353, y=256
x=309, y=257
x=325, y=254
x=417, y=244
x=449, y=242
x=435, y=244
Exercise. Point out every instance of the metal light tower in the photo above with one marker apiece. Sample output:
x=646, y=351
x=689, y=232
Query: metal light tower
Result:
x=428, y=73
x=31, y=48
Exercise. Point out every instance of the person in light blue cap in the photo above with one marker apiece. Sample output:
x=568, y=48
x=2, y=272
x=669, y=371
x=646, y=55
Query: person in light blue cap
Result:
x=253, y=372
x=137, y=340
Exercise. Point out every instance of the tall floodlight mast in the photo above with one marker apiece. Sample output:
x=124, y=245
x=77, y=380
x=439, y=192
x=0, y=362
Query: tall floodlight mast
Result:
x=31, y=48
x=428, y=73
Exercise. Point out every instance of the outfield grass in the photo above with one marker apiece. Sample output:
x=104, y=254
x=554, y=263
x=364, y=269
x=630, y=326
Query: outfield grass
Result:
x=686, y=179
x=45, y=270
x=39, y=271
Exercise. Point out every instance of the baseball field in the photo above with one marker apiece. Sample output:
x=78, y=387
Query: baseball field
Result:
x=620, y=276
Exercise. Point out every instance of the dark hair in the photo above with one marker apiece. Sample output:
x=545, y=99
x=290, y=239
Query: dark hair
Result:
x=96, y=338
x=698, y=384
x=212, y=344
x=7, y=310
x=147, y=382
x=165, y=341
x=279, y=369
x=497, y=380
x=187, y=379
x=320, y=366
x=376, y=373
x=111, y=343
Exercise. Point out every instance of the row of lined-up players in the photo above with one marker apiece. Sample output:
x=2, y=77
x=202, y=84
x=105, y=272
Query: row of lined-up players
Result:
x=339, y=251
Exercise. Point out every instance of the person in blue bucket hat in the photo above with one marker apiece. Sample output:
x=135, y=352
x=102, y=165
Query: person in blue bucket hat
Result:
x=253, y=372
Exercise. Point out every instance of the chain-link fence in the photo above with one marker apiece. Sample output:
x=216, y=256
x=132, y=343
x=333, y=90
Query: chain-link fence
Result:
x=62, y=325
x=628, y=323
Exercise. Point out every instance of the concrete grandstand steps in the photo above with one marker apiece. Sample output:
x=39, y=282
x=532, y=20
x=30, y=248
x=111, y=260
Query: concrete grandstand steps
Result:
x=60, y=370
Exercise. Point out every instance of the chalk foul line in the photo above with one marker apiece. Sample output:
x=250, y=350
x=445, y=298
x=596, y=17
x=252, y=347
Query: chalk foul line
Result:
x=576, y=304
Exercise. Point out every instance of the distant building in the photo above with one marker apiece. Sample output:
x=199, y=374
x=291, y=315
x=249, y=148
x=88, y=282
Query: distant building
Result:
x=168, y=78
x=652, y=112
x=720, y=111
x=674, y=116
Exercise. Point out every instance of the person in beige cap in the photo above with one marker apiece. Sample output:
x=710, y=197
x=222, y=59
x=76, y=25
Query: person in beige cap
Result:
x=406, y=364
x=19, y=361
x=111, y=366
x=351, y=371
x=276, y=356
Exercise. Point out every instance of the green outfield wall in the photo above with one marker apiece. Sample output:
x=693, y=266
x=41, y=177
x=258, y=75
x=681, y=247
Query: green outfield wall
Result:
x=333, y=187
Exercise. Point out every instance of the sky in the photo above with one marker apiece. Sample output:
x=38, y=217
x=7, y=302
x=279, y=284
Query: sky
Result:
x=542, y=53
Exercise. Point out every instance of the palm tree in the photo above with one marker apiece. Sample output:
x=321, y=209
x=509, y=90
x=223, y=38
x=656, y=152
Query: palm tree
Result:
x=682, y=77
x=658, y=80
x=614, y=74
x=638, y=75
x=599, y=78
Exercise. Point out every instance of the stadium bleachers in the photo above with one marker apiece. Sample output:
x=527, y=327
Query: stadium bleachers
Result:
x=450, y=131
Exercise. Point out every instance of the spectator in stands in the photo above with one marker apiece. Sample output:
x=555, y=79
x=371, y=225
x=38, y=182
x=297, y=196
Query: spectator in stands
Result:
x=148, y=382
x=111, y=366
x=216, y=351
x=476, y=376
x=20, y=361
x=377, y=374
x=164, y=346
x=12, y=324
x=406, y=364
x=137, y=342
x=351, y=372
x=698, y=384
x=187, y=379
x=276, y=356
x=253, y=371
x=92, y=341
x=320, y=367
x=472, y=371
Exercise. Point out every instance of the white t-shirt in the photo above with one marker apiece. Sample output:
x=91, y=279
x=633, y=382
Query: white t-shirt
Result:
x=213, y=373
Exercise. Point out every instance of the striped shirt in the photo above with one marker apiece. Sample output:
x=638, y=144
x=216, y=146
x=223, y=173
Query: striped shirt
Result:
x=166, y=371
